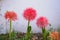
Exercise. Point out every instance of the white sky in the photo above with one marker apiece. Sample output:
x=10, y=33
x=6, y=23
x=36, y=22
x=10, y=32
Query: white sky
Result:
x=48, y=8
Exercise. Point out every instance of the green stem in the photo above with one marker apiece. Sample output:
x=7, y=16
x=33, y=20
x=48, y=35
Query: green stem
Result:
x=27, y=33
x=28, y=23
x=44, y=33
x=10, y=29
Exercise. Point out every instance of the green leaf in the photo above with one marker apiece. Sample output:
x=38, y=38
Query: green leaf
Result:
x=28, y=34
x=29, y=29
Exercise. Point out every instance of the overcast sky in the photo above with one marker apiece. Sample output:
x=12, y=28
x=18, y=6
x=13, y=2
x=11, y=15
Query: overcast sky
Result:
x=48, y=8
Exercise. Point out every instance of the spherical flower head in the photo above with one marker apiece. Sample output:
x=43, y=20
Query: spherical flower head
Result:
x=10, y=15
x=54, y=35
x=29, y=14
x=42, y=22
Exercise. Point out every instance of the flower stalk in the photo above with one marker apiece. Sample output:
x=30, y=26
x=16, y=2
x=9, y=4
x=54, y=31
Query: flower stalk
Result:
x=29, y=14
x=44, y=33
x=42, y=22
x=28, y=33
x=11, y=16
x=10, y=31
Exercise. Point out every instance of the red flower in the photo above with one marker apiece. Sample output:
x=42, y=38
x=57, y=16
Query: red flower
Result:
x=42, y=22
x=10, y=15
x=29, y=14
x=54, y=35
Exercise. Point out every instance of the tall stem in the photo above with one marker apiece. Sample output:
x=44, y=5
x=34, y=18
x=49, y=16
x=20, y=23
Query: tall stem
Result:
x=28, y=23
x=27, y=33
x=44, y=33
x=10, y=29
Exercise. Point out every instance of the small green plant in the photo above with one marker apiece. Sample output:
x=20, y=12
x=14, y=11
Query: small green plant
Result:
x=42, y=22
x=11, y=16
x=29, y=14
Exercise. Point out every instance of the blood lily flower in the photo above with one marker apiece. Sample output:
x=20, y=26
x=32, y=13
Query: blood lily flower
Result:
x=42, y=22
x=11, y=16
x=54, y=36
x=29, y=14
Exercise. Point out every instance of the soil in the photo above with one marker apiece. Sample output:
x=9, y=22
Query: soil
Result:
x=35, y=36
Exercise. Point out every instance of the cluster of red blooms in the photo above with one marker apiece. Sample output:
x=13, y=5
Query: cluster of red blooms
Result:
x=54, y=35
x=10, y=15
x=42, y=22
x=29, y=14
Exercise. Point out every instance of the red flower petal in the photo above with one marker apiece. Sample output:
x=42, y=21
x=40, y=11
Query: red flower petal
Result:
x=10, y=15
x=42, y=22
x=29, y=14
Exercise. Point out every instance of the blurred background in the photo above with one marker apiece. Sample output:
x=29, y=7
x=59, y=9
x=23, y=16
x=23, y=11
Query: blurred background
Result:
x=48, y=8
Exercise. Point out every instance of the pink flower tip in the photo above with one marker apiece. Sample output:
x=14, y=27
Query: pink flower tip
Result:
x=29, y=14
x=10, y=15
x=42, y=22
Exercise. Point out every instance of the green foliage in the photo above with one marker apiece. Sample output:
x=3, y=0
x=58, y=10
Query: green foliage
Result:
x=28, y=34
x=13, y=36
x=45, y=34
x=2, y=37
